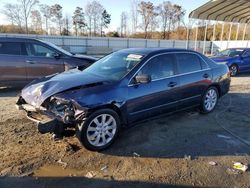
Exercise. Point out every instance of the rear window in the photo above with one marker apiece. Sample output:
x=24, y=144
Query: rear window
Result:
x=10, y=48
x=188, y=63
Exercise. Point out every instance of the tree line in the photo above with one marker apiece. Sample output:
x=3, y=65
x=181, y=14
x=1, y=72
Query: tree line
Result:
x=143, y=19
x=30, y=16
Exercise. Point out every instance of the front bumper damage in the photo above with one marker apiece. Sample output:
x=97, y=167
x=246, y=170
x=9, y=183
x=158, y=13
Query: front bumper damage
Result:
x=66, y=112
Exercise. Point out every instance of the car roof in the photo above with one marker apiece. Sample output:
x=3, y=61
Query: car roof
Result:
x=152, y=51
x=18, y=39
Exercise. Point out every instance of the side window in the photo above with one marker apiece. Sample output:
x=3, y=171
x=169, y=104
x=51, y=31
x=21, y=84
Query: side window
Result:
x=246, y=54
x=10, y=48
x=37, y=50
x=159, y=67
x=188, y=63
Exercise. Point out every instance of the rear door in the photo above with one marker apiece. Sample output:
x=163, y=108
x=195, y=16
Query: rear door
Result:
x=159, y=95
x=195, y=76
x=12, y=63
x=41, y=61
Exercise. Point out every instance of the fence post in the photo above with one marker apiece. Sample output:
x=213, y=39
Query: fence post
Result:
x=62, y=41
x=205, y=39
x=159, y=43
x=173, y=43
x=146, y=43
x=127, y=42
x=108, y=42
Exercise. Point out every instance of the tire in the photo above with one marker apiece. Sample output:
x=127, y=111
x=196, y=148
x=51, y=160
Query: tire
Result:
x=234, y=70
x=93, y=131
x=209, y=100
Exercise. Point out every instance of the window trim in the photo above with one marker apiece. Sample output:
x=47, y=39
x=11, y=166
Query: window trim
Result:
x=177, y=73
x=41, y=44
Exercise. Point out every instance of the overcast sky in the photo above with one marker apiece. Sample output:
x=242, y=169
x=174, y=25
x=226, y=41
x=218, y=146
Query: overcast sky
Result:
x=114, y=7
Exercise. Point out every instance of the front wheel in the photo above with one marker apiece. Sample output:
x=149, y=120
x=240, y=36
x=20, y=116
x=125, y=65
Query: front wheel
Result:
x=99, y=130
x=233, y=70
x=209, y=100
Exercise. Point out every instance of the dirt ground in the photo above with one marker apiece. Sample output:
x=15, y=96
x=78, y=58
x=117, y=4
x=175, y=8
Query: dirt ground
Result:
x=170, y=151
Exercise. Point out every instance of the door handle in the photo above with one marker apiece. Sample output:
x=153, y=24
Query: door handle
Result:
x=172, y=84
x=30, y=62
x=206, y=75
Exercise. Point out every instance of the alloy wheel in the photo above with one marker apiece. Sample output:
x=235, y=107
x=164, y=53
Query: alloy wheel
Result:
x=233, y=70
x=101, y=130
x=210, y=99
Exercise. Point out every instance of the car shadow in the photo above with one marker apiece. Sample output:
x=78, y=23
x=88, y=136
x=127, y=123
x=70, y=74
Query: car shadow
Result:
x=190, y=133
x=9, y=91
x=7, y=182
x=242, y=75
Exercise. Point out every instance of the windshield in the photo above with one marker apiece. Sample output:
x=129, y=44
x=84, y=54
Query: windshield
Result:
x=230, y=52
x=57, y=48
x=115, y=66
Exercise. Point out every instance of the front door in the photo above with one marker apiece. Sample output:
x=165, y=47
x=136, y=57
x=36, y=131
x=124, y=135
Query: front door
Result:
x=158, y=96
x=245, y=62
x=41, y=61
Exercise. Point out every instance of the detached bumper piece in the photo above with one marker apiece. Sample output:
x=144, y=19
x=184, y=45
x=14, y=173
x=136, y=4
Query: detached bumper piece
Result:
x=62, y=111
x=38, y=115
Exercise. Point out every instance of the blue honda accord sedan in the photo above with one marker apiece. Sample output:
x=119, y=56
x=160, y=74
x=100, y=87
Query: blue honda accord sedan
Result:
x=123, y=88
x=237, y=59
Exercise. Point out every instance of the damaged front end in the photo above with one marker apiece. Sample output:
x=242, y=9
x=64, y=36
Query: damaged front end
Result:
x=54, y=108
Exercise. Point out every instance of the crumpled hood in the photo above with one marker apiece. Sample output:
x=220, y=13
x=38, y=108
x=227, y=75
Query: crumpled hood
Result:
x=39, y=90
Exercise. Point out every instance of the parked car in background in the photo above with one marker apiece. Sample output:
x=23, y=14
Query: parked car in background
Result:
x=125, y=87
x=237, y=59
x=23, y=60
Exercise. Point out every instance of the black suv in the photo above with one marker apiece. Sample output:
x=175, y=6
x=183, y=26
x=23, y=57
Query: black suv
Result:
x=24, y=59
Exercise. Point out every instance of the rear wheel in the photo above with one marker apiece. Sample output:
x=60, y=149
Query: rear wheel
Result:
x=209, y=100
x=99, y=130
x=234, y=70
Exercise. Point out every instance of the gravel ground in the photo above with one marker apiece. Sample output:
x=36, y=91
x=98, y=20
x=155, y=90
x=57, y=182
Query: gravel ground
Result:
x=168, y=151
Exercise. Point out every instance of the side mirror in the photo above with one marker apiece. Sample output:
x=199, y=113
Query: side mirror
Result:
x=143, y=79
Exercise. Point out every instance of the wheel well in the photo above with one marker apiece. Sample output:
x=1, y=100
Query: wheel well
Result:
x=112, y=107
x=235, y=65
x=217, y=87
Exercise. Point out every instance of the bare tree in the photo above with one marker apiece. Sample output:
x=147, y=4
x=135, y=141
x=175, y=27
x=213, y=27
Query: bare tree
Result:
x=178, y=15
x=66, y=26
x=105, y=21
x=46, y=12
x=164, y=10
x=93, y=13
x=171, y=16
x=79, y=20
x=134, y=15
x=26, y=8
x=36, y=19
x=56, y=12
x=147, y=11
x=124, y=24
x=13, y=13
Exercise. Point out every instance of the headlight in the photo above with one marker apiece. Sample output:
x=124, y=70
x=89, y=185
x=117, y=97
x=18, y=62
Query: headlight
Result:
x=63, y=109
